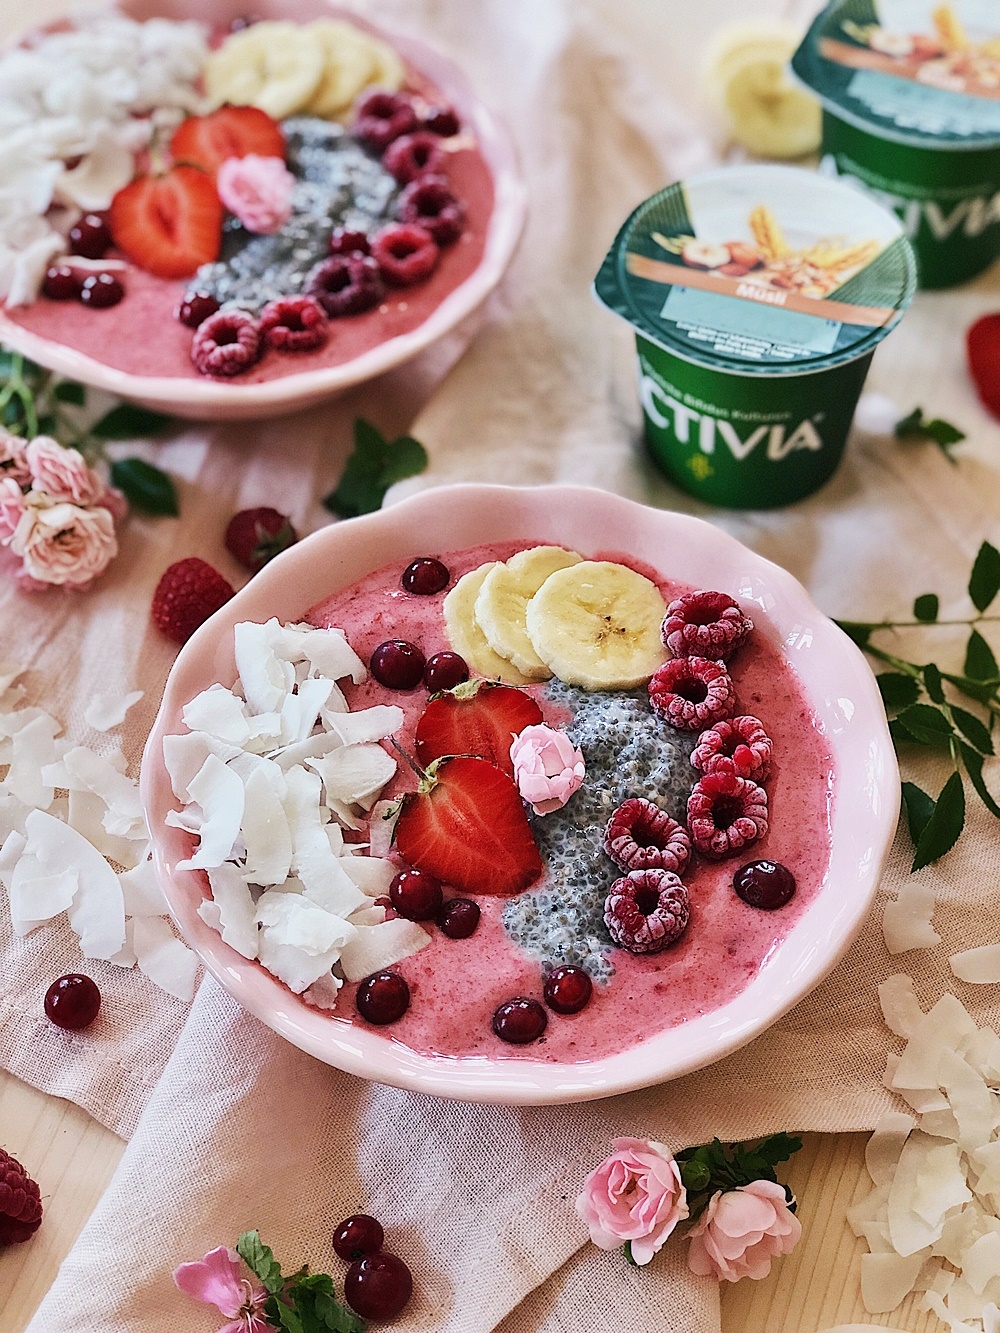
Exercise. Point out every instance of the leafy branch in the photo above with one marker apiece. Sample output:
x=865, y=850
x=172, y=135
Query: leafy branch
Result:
x=302, y=1303
x=916, y=426
x=718, y=1166
x=372, y=468
x=920, y=699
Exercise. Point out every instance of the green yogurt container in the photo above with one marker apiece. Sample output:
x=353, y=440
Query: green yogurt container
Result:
x=758, y=295
x=911, y=110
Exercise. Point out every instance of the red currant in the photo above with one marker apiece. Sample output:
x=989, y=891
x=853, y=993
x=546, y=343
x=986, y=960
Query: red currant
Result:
x=397, y=665
x=62, y=283
x=568, y=990
x=101, y=290
x=383, y=998
x=415, y=894
x=458, y=918
x=378, y=1286
x=90, y=236
x=195, y=308
x=425, y=576
x=72, y=1002
x=444, y=671
x=520, y=1021
x=764, y=884
x=357, y=1236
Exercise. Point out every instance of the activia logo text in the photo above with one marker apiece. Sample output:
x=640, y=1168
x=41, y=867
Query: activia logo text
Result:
x=708, y=432
x=968, y=217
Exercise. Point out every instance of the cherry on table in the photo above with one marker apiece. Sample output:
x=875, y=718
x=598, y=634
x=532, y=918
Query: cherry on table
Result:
x=378, y=1286
x=90, y=237
x=568, y=989
x=764, y=884
x=383, y=998
x=425, y=576
x=519, y=1021
x=357, y=1236
x=458, y=918
x=72, y=1002
x=444, y=671
x=415, y=894
x=101, y=290
x=397, y=665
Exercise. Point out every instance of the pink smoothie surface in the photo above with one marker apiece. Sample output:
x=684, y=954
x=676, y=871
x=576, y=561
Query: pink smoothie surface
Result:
x=456, y=985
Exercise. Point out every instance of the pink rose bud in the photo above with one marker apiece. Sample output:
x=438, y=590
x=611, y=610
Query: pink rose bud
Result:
x=62, y=543
x=634, y=1196
x=12, y=506
x=13, y=463
x=741, y=1231
x=62, y=473
x=548, y=768
x=258, y=190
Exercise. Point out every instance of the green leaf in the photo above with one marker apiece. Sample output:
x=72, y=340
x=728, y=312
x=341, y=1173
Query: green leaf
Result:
x=926, y=725
x=945, y=825
x=926, y=607
x=984, y=581
x=916, y=426
x=628, y=1255
x=128, y=422
x=408, y=458
x=318, y=1309
x=145, y=486
x=372, y=468
x=259, y=1258
x=858, y=631
x=897, y=690
x=972, y=729
x=779, y=1147
x=980, y=663
x=68, y=391
x=932, y=683
x=974, y=767
x=918, y=807
x=980, y=690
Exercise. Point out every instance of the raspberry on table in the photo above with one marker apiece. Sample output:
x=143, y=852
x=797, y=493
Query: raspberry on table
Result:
x=641, y=836
x=294, y=324
x=346, y=284
x=647, y=910
x=405, y=253
x=227, y=343
x=726, y=813
x=189, y=591
x=20, y=1202
x=429, y=202
x=380, y=117
x=692, y=693
x=705, y=624
x=740, y=746
x=414, y=155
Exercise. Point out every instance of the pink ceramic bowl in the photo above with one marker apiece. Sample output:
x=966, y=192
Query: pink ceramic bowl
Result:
x=203, y=398
x=836, y=678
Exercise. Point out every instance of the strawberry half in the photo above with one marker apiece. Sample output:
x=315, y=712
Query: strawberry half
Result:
x=466, y=826
x=232, y=131
x=170, y=224
x=983, y=347
x=477, y=718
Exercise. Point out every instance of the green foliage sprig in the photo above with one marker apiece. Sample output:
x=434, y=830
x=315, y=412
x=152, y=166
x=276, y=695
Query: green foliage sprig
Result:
x=372, y=468
x=721, y=1166
x=302, y=1303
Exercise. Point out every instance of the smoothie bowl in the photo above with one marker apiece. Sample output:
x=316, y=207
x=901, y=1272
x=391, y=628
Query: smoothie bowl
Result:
x=228, y=217
x=598, y=863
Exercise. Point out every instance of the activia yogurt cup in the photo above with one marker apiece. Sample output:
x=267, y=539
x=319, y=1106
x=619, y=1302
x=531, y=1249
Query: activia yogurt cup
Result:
x=911, y=109
x=758, y=295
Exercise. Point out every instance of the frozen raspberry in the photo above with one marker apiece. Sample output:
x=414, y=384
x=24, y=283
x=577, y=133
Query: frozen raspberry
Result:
x=227, y=343
x=294, y=324
x=189, y=591
x=405, y=253
x=380, y=117
x=739, y=746
x=692, y=693
x=705, y=624
x=20, y=1202
x=346, y=242
x=429, y=203
x=641, y=836
x=726, y=813
x=646, y=910
x=346, y=284
x=413, y=155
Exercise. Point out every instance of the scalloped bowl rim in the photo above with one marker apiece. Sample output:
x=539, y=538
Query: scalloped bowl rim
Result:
x=837, y=681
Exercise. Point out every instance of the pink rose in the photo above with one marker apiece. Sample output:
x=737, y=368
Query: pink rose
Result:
x=741, y=1231
x=12, y=506
x=548, y=768
x=636, y=1195
x=13, y=463
x=258, y=190
x=61, y=543
x=62, y=473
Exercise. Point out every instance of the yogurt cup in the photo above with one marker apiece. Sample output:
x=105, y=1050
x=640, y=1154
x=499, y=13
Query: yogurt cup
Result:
x=758, y=295
x=911, y=109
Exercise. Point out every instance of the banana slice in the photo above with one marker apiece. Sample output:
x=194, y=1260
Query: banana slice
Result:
x=748, y=81
x=465, y=635
x=389, y=70
x=275, y=66
x=597, y=624
x=503, y=598
x=349, y=66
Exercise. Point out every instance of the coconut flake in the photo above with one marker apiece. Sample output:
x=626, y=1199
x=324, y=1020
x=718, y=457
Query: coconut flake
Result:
x=120, y=794
x=940, y=1029
x=369, y=724
x=329, y=654
x=265, y=826
x=299, y=942
x=86, y=813
x=372, y=874
x=322, y=994
x=220, y=713
x=300, y=712
x=219, y=793
x=184, y=755
x=887, y=1278
x=354, y=772
x=971, y=1100
x=906, y=920
x=981, y=1262
x=163, y=958
x=986, y=1160
x=108, y=710
x=33, y=747
x=97, y=913
x=236, y=909
x=142, y=892
x=382, y=827
x=376, y=947
x=979, y=966
x=36, y=897
x=886, y=1143
x=900, y=1006
x=266, y=678
x=9, y=673
x=928, y=1183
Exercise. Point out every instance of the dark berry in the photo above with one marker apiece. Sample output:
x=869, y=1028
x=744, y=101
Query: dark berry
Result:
x=765, y=884
x=568, y=990
x=405, y=253
x=441, y=120
x=101, y=290
x=227, y=343
x=444, y=671
x=345, y=242
x=294, y=324
x=458, y=918
x=378, y=1286
x=428, y=202
x=62, y=283
x=425, y=577
x=520, y=1021
x=415, y=894
x=397, y=665
x=380, y=117
x=196, y=308
x=90, y=236
x=413, y=155
x=357, y=1236
x=383, y=998
x=72, y=1002
x=346, y=284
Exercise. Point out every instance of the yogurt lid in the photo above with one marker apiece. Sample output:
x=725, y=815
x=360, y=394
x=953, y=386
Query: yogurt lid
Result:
x=761, y=270
x=916, y=71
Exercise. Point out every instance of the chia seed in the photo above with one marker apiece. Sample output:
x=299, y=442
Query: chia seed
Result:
x=628, y=752
x=338, y=183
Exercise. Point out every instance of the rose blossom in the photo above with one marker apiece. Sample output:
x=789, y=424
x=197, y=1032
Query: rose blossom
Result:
x=12, y=506
x=635, y=1195
x=62, y=473
x=548, y=768
x=742, y=1230
x=13, y=463
x=218, y=1280
x=258, y=190
x=62, y=543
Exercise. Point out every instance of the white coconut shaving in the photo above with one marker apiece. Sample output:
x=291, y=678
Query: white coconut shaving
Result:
x=906, y=919
x=980, y=967
x=269, y=776
x=108, y=710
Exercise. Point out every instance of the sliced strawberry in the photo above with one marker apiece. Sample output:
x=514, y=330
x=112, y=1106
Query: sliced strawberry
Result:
x=232, y=131
x=169, y=224
x=467, y=827
x=983, y=346
x=478, y=718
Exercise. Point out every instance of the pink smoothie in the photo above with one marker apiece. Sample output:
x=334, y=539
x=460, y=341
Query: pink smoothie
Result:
x=457, y=984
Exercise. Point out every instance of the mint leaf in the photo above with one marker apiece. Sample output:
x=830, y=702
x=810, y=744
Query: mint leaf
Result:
x=932, y=683
x=918, y=808
x=926, y=607
x=145, y=486
x=984, y=581
x=858, y=631
x=408, y=458
x=925, y=724
x=942, y=830
x=980, y=663
x=915, y=426
x=974, y=767
x=897, y=690
x=972, y=729
x=68, y=391
x=318, y=1309
x=128, y=422
x=372, y=468
x=259, y=1258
